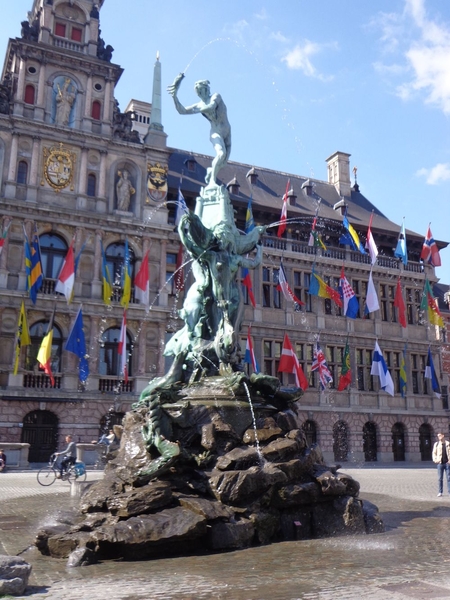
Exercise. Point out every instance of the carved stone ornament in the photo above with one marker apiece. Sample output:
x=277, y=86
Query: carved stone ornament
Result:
x=157, y=182
x=59, y=166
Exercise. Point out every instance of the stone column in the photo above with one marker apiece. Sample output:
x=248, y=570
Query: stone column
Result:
x=87, y=121
x=4, y=255
x=33, y=178
x=10, y=186
x=161, y=344
x=81, y=199
x=39, y=110
x=106, y=119
x=96, y=275
x=101, y=199
x=163, y=291
x=142, y=349
x=18, y=104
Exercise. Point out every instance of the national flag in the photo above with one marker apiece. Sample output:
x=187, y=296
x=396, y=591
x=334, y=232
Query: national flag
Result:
x=345, y=377
x=107, y=284
x=179, y=273
x=399, y=304
x=429, y=303
x=249, y=357
x=33, y=265
x=283, y=218
x=289, y=364
x=430, y=374
x=66, y=277
x=351, y=237
x=122, y=349
x=44, y=355
x=370, y=243
x=379, y=368
x=318, y=287
x=401, y=251
x=76, y=343
x=430, y=251
x=283, y=286
x=351, y=303
x=22, y=337
x=314, y=236
x=142, y=283
x=3, y=236
x=372, y=303
x=182, y=209
x=320, y=365
x=126, y=277
x=247, y=282
x=249, y=221
x=77, y=257
x=403, y=379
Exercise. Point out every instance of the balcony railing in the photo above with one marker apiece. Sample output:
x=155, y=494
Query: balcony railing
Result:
x=67, y=44
x=115, y=385
x=40, y=381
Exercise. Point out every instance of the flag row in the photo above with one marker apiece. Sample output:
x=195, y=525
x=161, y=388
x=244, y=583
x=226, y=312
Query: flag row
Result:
x=289, y=363
x=76, y=344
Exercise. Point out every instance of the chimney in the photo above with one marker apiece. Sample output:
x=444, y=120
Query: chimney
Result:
x=339, y=172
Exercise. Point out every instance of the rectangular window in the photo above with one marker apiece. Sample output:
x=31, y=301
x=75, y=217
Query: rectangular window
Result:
x=334, y=356
x=363, y=368
x=76, y=34
x=270, y=294
x=272, y=354
x=60, y=29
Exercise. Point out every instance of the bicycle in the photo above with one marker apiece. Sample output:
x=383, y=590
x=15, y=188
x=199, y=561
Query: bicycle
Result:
x=47, y=475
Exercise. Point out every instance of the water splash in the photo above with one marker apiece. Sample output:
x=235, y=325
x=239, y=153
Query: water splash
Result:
x=255, y=429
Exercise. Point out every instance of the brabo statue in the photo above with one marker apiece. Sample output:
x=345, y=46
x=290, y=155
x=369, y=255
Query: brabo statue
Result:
x=207, y=346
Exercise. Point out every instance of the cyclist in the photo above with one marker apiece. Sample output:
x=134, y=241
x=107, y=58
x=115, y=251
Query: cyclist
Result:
x=70, y=456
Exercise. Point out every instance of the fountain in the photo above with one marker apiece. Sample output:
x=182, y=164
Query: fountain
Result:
x=209, y=458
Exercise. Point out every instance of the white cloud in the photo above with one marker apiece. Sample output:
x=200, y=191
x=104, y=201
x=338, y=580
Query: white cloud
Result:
x=423, y=45
x=435, y=175
x=299, y=58
x=279, y=37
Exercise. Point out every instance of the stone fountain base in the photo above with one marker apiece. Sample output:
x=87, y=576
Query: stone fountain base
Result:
x=221, y=492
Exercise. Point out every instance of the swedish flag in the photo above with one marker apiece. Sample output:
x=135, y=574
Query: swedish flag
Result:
x=106, y=277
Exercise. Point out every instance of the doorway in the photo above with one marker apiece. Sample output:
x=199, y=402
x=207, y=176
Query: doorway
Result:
x=425, y=445
x=398, y=442
x=370, y=442
x=340, y=441
x=40, y=430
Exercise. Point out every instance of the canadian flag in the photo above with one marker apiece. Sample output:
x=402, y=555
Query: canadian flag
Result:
x=142, y=283
x=289, y=364
x=123, y=354
x=66, y=278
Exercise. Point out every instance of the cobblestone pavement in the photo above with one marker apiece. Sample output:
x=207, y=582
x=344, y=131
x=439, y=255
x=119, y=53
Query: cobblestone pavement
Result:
x=408, y=562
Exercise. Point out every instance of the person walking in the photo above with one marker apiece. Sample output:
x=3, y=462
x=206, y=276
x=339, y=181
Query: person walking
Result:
x=70, y=455
x=441, y=457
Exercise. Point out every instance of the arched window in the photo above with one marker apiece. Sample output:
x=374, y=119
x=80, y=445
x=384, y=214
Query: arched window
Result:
x=29, y=94
x=96, y=110
x=53, y=253
x=115, y=259
x=91, y=185
x=37, y=333
x=109, y=353
x=22, y=172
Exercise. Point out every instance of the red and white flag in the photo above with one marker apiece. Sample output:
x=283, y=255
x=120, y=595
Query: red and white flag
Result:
x=66, y=277
x=430, y=251
x=122, y=350
x=399, y=304
x=142, y=283
x=289, y=364
x=371, y=247
x=283, y=286
x=283, y=218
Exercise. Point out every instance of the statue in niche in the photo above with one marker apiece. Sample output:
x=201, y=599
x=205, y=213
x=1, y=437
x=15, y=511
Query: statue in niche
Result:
x=124, y=190
x=213, y=108
x=65, y=99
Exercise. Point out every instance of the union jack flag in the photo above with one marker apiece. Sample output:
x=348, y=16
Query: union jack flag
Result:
x=320, y=365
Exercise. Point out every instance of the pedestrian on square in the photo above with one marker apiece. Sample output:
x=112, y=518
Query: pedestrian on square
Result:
x=70, y=455
x=441, y=457
x=2, y=461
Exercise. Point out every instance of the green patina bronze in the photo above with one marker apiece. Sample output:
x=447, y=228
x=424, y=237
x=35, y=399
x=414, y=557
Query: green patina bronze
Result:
x=208, y=343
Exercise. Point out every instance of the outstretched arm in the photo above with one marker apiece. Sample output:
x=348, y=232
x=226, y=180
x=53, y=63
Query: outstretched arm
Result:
x=173, y=91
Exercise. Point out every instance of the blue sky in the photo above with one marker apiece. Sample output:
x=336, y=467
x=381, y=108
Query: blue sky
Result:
x=301, y=80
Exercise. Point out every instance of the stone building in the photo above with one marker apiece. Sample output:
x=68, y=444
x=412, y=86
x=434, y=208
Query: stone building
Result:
x=73, y=167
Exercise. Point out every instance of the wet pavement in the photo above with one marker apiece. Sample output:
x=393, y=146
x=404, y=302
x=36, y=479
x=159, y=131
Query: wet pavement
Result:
x=410, y=561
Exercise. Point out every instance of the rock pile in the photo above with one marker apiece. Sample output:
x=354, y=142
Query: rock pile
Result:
x=222, y=492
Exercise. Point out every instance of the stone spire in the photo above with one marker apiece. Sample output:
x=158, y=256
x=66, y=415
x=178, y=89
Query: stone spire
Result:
x=155, y=117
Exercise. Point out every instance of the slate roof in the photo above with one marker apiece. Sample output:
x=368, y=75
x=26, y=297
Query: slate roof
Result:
x=270, y=188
